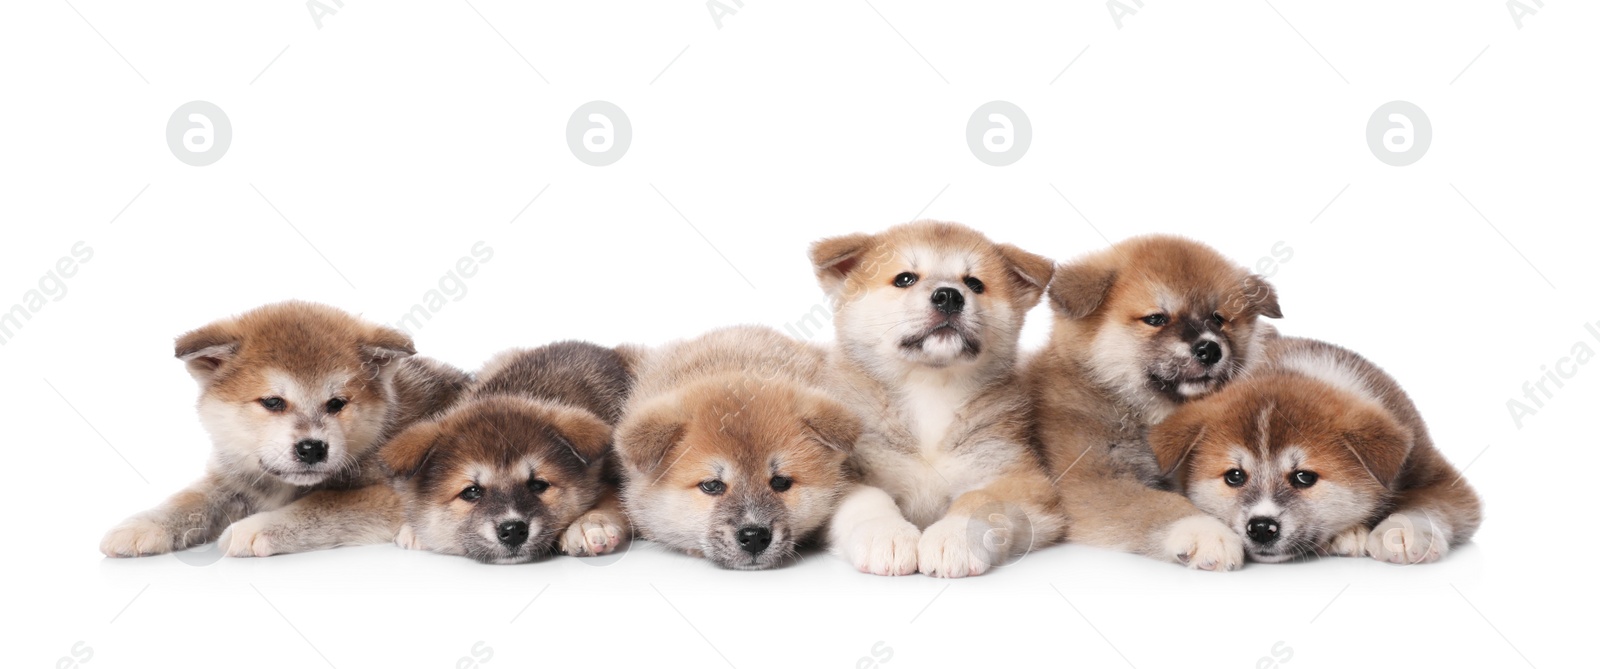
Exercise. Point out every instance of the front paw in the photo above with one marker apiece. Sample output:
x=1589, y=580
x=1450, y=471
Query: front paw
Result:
x=1203, y=542
x=594, y=534
x=1407, y=539
x=140, y=536
x=407, y=538
x=1349, y=543
x=251, y=537
x=884, y=547
x=956, y=547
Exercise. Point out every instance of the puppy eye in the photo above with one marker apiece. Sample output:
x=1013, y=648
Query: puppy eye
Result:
x=1303, y=479
x=472, y=494
x=1234, y=478
x=713, y=487
x=336, y=405
x=274, y=404
x=905, y=279
x=1155, y=320
x=973, y=283
x=538, y=486
x=782, y=483
x=1218, y=320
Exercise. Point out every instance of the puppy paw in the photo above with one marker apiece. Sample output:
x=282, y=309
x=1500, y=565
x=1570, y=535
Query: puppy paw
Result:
x=954, y=547
x=1407, y=539
x=139, y=536
x=1203, y=542
x=407, y=538
x=1349, y=543
x=593, y=534
x=250, y=537
x=885, y=548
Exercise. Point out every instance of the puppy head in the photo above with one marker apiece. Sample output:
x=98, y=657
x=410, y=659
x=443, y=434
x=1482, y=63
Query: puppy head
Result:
x=735, y=469
x=929, y=294
x=1160, y=319
x=1285, y=460
x=294, y=390
x=499, y=478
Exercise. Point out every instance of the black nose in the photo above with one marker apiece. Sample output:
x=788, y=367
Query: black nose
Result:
x=513, y=533
x=1207, y=352
x=311, y=451
x=948, y=300
x=1262, y=530
x=754, y=539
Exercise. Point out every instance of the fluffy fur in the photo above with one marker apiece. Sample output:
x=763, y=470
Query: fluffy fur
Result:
x=296, y=397
x=927, y=317
x=733, y=451
x=1319, y=451
x=1140, y=329
x=521, y=467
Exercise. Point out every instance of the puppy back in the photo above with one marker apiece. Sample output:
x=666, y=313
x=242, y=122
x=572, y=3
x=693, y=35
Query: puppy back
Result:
x=423, y=388
x=574, y=373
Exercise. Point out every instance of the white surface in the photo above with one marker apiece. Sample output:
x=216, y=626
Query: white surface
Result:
x=399, y=134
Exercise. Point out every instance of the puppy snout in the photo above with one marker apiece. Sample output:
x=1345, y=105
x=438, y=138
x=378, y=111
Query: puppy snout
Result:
x=1262, y=530
x=948, y=301
x=512, y=533
x=1207, y=352
x=753, y=540
x=311, y=451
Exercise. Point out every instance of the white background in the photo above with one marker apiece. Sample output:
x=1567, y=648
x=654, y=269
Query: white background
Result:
x=398, y=134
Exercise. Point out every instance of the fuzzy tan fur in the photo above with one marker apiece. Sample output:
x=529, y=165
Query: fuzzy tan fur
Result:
x=714, y=424
x=1107, y=375
x=949, y=484
x=1381, y=489
x=305, y=355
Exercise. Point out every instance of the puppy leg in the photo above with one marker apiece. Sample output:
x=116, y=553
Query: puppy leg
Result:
x=868, y=530
x=192, y=517
x=983, y=528
x=598, y=531
x=1124, y=514
x=1435, y=512
x=323, y=519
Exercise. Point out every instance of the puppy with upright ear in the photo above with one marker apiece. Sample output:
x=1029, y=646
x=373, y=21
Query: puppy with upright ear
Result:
x=1318, y=451
x=297, y=397
x=927, y=316
x=522, y=467
x=1140, y=330
x=733, y=450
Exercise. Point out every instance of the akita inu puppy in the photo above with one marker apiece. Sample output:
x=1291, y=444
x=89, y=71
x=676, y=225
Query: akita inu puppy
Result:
x=927, y=317
x=522, y=466
x=1140, y=329
x=297, y=397
x=734, y=450
x=1318, y=451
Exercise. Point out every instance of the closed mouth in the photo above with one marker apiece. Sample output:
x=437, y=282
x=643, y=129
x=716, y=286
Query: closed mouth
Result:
x=302, y=477
x=970, y=347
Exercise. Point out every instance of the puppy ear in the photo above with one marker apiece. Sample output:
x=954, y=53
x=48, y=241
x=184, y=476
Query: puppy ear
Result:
x=1174, y=439
x=1076, y=290
x=1380, y=443
x=648, y=434
x=836, y=257
x=207, y=350
x=407, y=452
x=584, y=433
x=830, y=422
x=1260, y=297
x=385, y=345
x=1029, y=272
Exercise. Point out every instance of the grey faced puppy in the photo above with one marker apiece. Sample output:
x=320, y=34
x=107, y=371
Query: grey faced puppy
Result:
x=521, y=467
